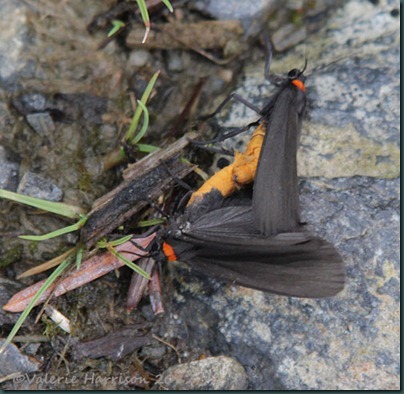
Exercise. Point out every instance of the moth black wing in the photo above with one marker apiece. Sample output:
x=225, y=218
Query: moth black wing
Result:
x=225, y=244
x=311, y=269
x=276, y=198
x=227, y=221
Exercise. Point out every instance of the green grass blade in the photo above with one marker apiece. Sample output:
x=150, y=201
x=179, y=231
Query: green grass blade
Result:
x=151, y=222
x=119, y=241
x=146, y=148
x=117, y=25
x=57, y=233
x=79, y=256
x=129, y=263
x=145, y=17
x=168, y=5
x=136, y=117
x=143, y=130
x=59, y=208
x=57, y=272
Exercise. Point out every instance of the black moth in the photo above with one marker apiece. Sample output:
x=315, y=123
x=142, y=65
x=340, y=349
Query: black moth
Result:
x=262, y=244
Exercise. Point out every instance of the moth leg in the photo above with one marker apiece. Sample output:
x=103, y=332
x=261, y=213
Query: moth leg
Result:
x=236, y=97
x=232, y=133
x=175, y=178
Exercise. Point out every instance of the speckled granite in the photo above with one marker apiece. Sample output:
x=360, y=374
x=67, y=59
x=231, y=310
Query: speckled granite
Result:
x=349, y=164
x=348, y=342
x=212, y=373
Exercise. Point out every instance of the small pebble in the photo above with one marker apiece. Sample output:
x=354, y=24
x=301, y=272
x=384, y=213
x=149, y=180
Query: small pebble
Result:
x=8, y=175
x=35, y=186
x=212, y=373
x=139, y=58
x=41, y=122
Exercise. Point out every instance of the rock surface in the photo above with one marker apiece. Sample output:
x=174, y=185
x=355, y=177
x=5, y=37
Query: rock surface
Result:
x=212, y=373
x=35, y=186
x=347, y=342
x=8, y=172
x=349, y=161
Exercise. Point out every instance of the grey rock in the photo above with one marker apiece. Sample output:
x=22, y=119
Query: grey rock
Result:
x=48, y=107
x=250, y=13
x=8, y=175
x=31, y=103
x=347, y=342
x=15, y=38
x=153, y=352
x=8, y=172
x=7, y=289
x=177, y=60
x=212, y=373
x=35, y=186
x=41, y=122
x=14, y=362
x=234, y=9
x=139, y=58
x=298, y=20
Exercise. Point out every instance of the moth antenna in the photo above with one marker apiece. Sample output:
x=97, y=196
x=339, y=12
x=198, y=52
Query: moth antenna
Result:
x=305, y=66
x=324, y=66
